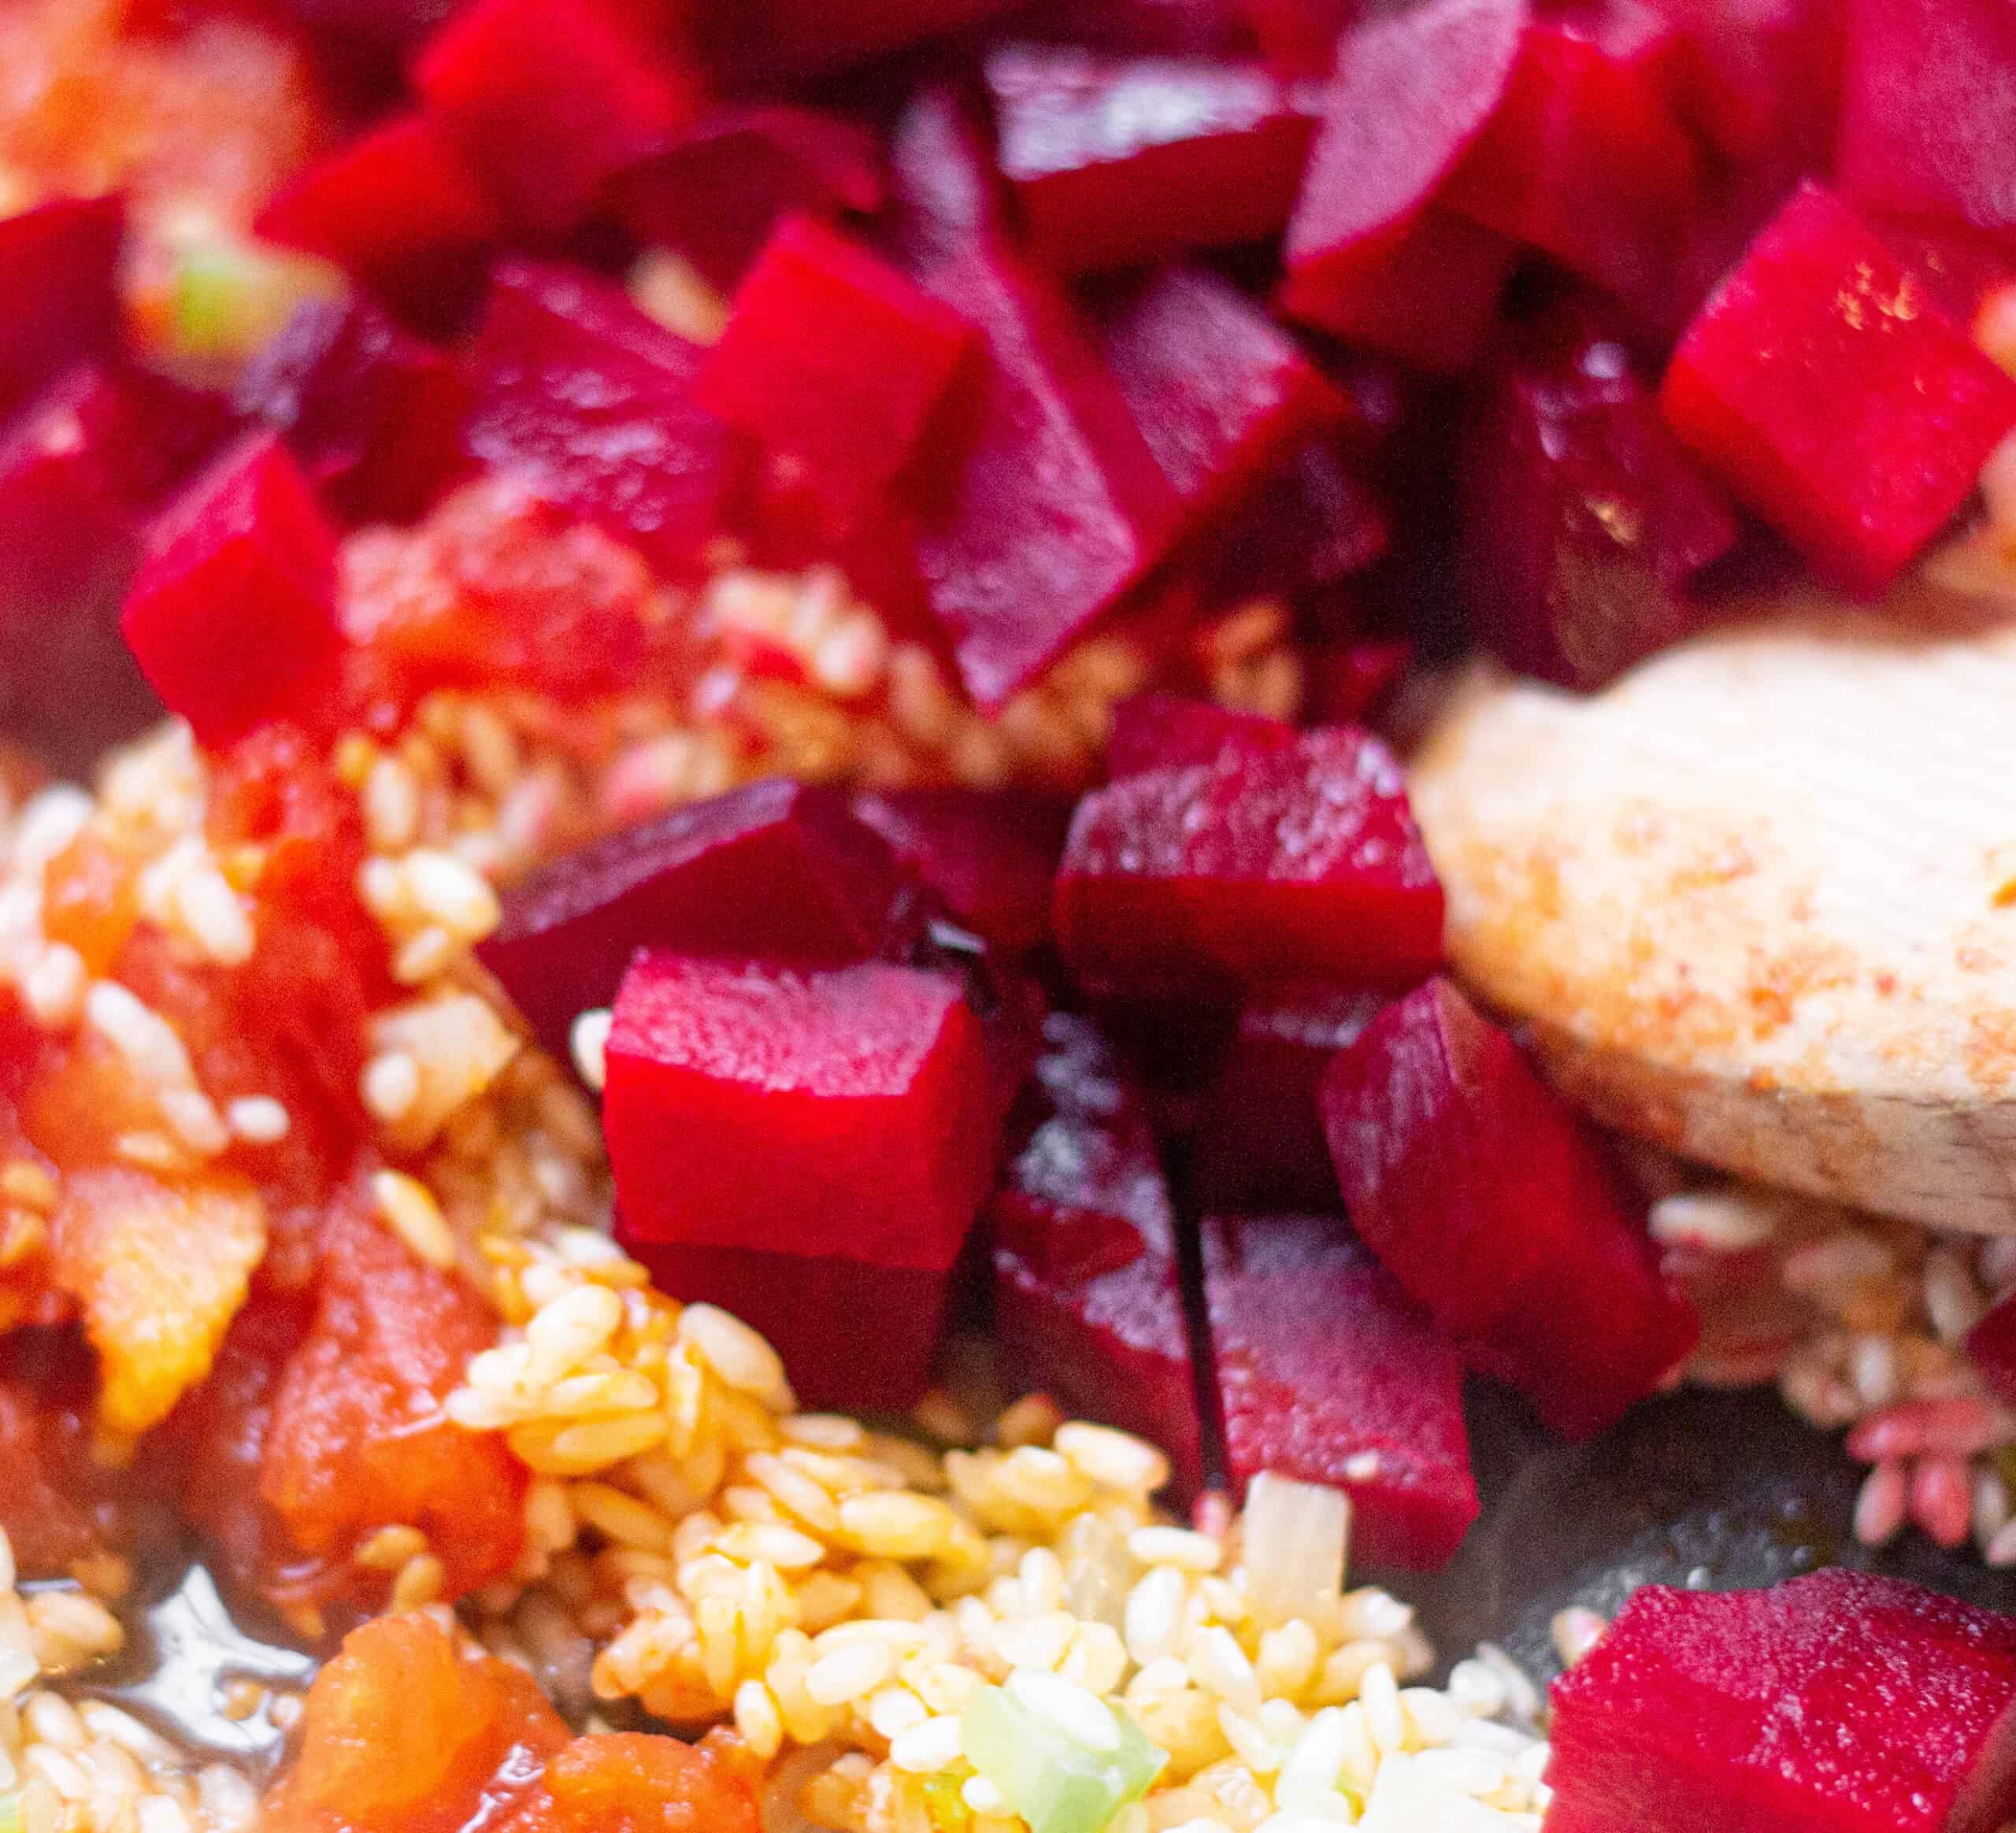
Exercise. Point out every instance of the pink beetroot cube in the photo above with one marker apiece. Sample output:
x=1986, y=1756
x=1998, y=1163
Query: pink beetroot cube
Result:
x=835, y=362
x=1120, y=161
x=844, y=1112
x=1490, y=1202
x=549, y=100
x=232, y=614
x=1266, y=862
x=1823, y=387
x=1327, y=1373
x=57, y=263
x=1839, y=1703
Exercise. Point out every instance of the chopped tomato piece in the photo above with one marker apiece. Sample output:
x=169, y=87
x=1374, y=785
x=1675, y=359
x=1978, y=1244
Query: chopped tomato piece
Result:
x=633, y=1782
x=90, y=900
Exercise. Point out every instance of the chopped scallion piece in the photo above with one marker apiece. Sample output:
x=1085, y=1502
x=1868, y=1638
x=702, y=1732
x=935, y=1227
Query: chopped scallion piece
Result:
x=1051, y=1778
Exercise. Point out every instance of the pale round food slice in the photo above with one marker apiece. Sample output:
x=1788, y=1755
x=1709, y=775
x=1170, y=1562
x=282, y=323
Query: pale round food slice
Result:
x=1757, y=900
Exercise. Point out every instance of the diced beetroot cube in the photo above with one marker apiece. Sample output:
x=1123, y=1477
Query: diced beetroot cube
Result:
x=1158, y=731
x=853, y=1337
x=1326, y=1373
x=1221, y=394
x=1412, y=91
x=232, y=614
x=56, y=263
x=1350, y=681
x=1584, y=159
x=830, y=1112
x=1259, y=1143
x=591, y=403
x=1488, y=1199
x=1991, y=1348
x=736, y=173
x=373, y=414
x=1299, y=37
x=1960, y=267
x=990, y=853
x=1087, y=1297
x=776, y=869
x=1582, y=521
x=763, y=43
x=1759, y=79
x=1822, y=387
x=1928, y=123
x=1203, y=28
x=835, y=362
x=1120, y=161
x=1838, y=1703
x=1314, y=523
x=944, y=193
x=1055, y=505
x=396, y=206
x=549, y=100
x=1263, y=864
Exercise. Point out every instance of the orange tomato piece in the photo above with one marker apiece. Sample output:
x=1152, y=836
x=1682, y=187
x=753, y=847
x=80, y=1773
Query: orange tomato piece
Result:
x=634, y=1782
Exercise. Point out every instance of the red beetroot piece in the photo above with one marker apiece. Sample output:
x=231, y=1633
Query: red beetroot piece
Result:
x=1991, y=1348
x=396, y=206
x=1314, y=522
x=591, y=403
x=762, y=43
x=835, y=362
x=1299, y=37
x=1928, y=119
x=944, y=193
x=775, y=869
x=1259, y=1143
x=1050, y=505
x=854, y=1337
x=842, y=1112
x=1838, y=1703
x=736, y=173
x=549, y=100
x=1584, y=521
x=1116, y=162
x=1326, y=1373
x=373, y=414
x=1221, y=394
x=1265, y=863
x=58, y=262
x=1758, y=79
x=1492, y=1204
x=1087, y=1297
x=232, y=614
x=1822, y=387
x=992, y=854
x=1168, y=28
x=1350, y=681
x=1412, y=91
x=1157, y=731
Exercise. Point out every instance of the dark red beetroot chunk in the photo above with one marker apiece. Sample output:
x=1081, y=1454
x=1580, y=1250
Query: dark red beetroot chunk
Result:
x=1172, y=27
x=549, y=100
x=990, y=853
x=56, y=263
x=1326, y=1373
x=1583, y=522
x=1298, y=38
x=835, y=362
x=590, y=402
x=1157, y=731
x=232, y=614
x=1120, y=161
x=1264, y=864
x=1928, y=118
x=396, y=206
x=1490, y=1201
x=1259, y=1140
x=1823, y=387
x=1219, y=393
x=1991, y=1348
x=774, y=869
x=762, y=43
x=1583, y=158
x=736, y=173
x=1839, y=1703
x=1052, y=504
x=1088, y=1298
x=1412, y=91
x=837, y=1112
x=373, y=414
x=1350, y=681
x=1758, y=79
x=1314, y=522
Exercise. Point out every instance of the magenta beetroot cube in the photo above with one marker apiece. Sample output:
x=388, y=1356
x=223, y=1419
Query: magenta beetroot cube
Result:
x=1489, y=1200
x=844, y=1112
x=1839, y=1703
x=232, y=614
x=990, y=853
x=1087, y=1296
x=58, y=262
x=835, y=362
x=1120, y=161
x=776, y=869
x=1823, y=387
x=1327, y=1373
x=1265, y=863
x=549, y=100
